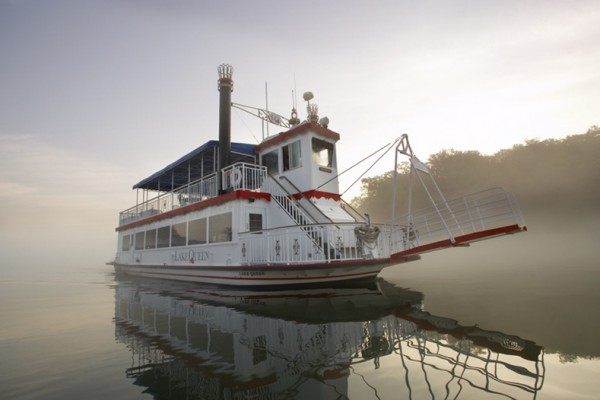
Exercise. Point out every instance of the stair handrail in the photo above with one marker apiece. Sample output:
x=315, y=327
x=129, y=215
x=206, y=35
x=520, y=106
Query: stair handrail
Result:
x=316, y=236
x=329, y=244
x=301, y=193
x=354, y=212
x=291, y=199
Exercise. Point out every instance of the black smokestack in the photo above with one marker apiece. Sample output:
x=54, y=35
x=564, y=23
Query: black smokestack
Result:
x=225, y=89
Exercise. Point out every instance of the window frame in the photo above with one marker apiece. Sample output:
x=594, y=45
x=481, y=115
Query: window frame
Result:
x=291, y=155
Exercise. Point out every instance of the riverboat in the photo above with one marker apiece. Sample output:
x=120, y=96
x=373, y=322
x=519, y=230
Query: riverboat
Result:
x=271, y=214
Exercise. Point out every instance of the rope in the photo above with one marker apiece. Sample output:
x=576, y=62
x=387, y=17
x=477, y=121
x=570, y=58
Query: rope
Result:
x=372, y=165
x=349, y=168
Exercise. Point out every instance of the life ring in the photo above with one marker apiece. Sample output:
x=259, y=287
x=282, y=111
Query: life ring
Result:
x=236, y=178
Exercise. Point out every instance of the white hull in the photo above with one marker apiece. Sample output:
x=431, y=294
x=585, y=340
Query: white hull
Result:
x=266, y=275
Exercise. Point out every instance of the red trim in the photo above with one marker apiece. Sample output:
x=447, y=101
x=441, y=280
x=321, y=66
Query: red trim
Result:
x=317, y=194
x=283, y=278
x=463, y=240
x=238, y=194
x=296, y=131
x=471, y=237
x=377, y=264
x=281, y=266
x=422, y=249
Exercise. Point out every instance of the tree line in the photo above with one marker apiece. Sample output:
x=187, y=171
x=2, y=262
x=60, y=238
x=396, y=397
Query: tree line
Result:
x=546, y=175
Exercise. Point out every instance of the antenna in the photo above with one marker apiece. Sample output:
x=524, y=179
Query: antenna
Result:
x=295, y=95
x=266, y=109
x=312, y=109
x=294, y=120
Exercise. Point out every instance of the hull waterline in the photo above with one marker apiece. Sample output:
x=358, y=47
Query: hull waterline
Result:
x=264, y=275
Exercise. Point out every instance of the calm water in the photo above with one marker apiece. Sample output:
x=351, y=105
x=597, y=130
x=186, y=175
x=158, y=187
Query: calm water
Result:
x=476, y=323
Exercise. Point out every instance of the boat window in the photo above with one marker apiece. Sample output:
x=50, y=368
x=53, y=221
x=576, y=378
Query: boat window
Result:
x=163, y=237
x=259, y=350
x=292, y=157
x=226, y=343
x=151, y=239
x=198, y=335
x=270, y=160
x=139, y=240
x=322, y=152
x=255, y=222
x=178, y=234
x=126, y=243
x=197, y=231
x=219, y=228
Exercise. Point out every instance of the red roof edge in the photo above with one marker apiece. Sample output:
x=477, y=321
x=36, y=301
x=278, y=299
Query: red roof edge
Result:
x=329, y=134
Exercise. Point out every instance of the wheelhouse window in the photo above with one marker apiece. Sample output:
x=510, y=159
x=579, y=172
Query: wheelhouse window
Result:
x=197, y=231
x=271, y=161
x=219, y=228
x=179, y=234
x=322, y=152
x=292, y=156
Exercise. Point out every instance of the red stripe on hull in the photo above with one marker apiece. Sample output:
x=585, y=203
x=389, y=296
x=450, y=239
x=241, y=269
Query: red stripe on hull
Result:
x=264, y=275
x=261, y=279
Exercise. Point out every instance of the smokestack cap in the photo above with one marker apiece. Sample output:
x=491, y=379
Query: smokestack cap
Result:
x=225, y=76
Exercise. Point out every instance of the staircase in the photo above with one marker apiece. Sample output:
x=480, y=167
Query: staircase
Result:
x=300, y=215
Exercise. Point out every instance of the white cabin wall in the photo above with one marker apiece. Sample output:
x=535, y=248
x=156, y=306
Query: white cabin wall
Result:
x=221, y=253
x=309, y=176
x=300, y=176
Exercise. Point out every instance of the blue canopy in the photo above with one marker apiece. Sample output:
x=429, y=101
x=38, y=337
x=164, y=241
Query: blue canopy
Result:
x=198, y=163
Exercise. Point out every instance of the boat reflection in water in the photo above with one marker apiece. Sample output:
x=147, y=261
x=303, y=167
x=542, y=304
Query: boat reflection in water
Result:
x=190, y=341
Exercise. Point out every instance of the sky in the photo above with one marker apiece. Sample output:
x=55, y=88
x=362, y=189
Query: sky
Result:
x=97, y=95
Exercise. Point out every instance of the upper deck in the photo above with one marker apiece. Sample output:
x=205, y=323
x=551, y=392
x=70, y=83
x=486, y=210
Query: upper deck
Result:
x=304, y=157
x=239, y=176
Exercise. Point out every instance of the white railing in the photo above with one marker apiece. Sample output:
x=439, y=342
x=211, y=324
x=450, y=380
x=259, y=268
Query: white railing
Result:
x=243, y=176
x=239, y=176
x=159, y=204
x=197, y=191
x=296, y=244
x=292, y=207
x=472, y=213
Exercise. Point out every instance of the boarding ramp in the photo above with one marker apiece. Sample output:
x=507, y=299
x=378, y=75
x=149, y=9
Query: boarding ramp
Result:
x=457, y=222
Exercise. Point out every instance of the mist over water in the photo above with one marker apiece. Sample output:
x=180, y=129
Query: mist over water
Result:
x=539, y=284
x=59, y=337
